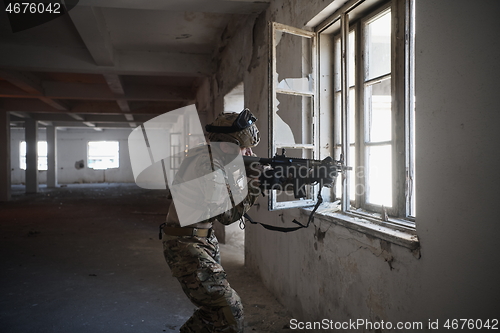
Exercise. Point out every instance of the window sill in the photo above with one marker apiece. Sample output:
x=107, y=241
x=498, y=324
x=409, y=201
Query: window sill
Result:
x=392, y=231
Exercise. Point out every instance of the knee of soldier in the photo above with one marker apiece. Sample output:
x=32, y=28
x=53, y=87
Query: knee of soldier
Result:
x=214, y=283
x=233, y=313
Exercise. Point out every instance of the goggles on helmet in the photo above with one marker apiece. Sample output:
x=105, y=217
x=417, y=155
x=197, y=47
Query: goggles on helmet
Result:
x=244, y=120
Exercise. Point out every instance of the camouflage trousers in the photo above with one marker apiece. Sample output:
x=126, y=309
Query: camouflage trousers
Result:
x=195, y=262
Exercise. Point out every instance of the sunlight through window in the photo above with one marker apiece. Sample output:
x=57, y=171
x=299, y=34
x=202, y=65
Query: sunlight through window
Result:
x=103, y=155
x=42, y=155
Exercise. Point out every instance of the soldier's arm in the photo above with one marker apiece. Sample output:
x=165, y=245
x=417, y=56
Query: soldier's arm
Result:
x=237, y=212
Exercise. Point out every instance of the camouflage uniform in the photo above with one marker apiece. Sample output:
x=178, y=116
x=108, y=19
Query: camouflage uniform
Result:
x=195, y=262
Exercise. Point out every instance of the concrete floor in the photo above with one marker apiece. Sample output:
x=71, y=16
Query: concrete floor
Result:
x=86, y=258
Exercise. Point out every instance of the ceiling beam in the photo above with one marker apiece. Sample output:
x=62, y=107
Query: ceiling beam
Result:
x=55, y=104
x=21, y=114
x=89, y=118
x=36, y=106
x=99, y=127
x=24, y=81
x=90, y=24
x=14, y=118
x=80, y=118
x=32, y=85
x=75, y=116
x=123, y=105
x=73, y=60
x=86, y=91
x=115, y=84
x=53, y=117
x=212, y=6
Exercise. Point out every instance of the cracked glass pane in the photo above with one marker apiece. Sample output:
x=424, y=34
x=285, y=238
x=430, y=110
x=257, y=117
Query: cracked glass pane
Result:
x=293, y=124
x=294, y=87
x=295, y=73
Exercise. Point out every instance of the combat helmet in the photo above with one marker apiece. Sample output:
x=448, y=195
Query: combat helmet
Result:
x=237, y=128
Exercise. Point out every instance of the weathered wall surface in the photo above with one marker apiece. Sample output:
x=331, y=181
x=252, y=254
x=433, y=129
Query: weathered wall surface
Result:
x=72, y=147
x=457, y=166
x=328, y=271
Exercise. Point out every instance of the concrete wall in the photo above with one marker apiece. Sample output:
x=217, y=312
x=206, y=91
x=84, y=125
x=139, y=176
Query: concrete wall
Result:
x=72, y=147
x=328, y=271
x=457, y=150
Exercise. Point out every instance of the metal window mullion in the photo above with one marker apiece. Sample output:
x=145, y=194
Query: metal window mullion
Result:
x=362, y=115
x=272, y=103
x=315, y=97
x=399, y=108
x=359, y=117
x=409, y=114
x=344, y=76
x=411, y=75
x=408, y=121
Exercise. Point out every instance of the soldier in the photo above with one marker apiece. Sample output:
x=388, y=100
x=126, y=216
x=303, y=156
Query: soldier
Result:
x=192, y=251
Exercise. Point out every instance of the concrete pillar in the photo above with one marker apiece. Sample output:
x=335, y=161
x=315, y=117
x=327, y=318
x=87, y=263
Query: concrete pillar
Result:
x=5, y=172
x=51, y=156
x=31, y=138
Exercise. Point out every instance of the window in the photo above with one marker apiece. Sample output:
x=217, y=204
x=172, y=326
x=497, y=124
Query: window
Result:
x=346, y=90
x=372, y=101
x=293, y=118
x=42, y=155
x=103, y=155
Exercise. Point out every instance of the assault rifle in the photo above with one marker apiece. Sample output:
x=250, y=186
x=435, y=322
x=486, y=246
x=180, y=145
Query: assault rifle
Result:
x=280, y=172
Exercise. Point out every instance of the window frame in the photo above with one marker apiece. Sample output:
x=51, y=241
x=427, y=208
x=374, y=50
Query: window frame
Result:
x=396, y=122
x=396, y=225
x=274, y=146
x=401, y=75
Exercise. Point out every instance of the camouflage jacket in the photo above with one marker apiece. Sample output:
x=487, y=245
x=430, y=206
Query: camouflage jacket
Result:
x=216, y=178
